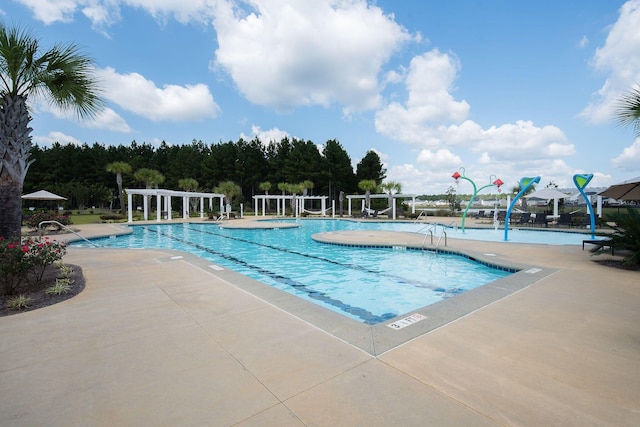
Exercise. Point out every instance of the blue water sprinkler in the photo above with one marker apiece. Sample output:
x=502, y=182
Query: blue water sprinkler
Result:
x=525, y=183
x=581, y=181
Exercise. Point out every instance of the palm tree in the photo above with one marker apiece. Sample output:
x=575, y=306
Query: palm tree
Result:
x=62, y=75
x=367, y=185
x=516, y=189
x=305, y=186
x=230, y=189
x=151, y=178
x=119, y=168
x=628, y=110
x=266, y=186
x=190, y=185
x=391, y=188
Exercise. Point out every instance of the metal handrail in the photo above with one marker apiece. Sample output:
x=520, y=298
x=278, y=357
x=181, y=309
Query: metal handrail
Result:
x=430, y=233
x=444, y=232
x=422, y=212
x=66, y=228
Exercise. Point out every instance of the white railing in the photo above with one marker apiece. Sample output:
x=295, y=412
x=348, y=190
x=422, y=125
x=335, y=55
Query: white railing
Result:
x=60, y=225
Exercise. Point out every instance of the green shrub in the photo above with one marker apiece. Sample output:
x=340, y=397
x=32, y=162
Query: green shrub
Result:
x=66, y=271
x=26, y=260
x=19, y=302
x=112, y=217
x=36, y=218
x=62, y=286
x=626, y=235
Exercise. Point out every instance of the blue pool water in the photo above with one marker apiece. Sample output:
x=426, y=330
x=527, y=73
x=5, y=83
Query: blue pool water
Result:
x=371, y=285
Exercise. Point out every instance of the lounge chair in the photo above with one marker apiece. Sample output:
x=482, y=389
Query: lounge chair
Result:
x=480, y=214
x=565, y=219
x=525, y=218
x=541, y=219
x=600, y=244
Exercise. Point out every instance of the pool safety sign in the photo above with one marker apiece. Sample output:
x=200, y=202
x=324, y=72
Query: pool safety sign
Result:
x=409, y=320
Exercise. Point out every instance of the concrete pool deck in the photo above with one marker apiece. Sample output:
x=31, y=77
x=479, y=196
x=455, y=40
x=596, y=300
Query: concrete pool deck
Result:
x=159, y=338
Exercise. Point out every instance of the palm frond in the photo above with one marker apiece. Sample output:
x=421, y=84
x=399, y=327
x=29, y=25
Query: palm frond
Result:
x=627, y=110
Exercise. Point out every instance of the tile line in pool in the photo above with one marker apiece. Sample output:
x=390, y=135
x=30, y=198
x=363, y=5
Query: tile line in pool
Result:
x=445, y=292
x=366, y=316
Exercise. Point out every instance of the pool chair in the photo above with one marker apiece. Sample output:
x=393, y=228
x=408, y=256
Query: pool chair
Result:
x=541, y=219
x=565, y=219
x=525, y=218
x=480, y=214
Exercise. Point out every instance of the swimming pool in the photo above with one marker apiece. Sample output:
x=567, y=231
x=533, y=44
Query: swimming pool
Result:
x=371, y=285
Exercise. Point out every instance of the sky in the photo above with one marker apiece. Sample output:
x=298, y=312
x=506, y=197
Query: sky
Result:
x=488, y=88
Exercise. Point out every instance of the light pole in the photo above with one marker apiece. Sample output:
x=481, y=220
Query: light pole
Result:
x=497, y=182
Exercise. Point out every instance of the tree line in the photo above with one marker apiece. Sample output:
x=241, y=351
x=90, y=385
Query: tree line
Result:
x=86, y=176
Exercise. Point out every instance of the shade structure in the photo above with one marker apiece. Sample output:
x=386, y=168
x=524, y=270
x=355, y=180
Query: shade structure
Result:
x=547, y=194
x=627, y=190
x=43, y=195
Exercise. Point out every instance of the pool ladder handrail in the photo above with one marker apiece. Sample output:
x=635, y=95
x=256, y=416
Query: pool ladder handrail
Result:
x=430, y=228
x=422, y=212
x=59, y=224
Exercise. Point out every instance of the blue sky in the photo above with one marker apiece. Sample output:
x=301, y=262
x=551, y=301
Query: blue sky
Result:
x=505, y=88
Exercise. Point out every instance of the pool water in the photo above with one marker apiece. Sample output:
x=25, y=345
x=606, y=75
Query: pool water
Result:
x=371, y=285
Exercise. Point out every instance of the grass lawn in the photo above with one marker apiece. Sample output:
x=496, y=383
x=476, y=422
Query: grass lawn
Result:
x=85, y=219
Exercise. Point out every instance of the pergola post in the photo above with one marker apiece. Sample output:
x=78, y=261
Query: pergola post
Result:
x=158, y=208
x=201, y=207
x=185, y=207
x=145, y=207
x=130, y=206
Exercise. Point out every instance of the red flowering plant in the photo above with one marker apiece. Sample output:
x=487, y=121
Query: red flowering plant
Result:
x=26, y=260
x=36, y=218
x=40, y=253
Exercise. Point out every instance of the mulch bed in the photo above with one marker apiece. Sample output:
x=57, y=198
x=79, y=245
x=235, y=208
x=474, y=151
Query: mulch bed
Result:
x=618, y=264
x=39, y=298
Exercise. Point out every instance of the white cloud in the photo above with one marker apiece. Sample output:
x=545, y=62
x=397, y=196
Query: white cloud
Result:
x=309, y=52
x=50, y=11
x=134, y=93
x=110, y=120
x=105, y=119
x=266, y=136
x=53, y=137
x=429, y=102
x=584, y=42
x=434, y=121
x=520, y=141
x=620, y=57
x=103, y=13
x=629, y=159
x=442, y=157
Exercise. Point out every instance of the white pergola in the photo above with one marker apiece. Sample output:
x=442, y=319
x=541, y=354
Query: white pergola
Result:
x=384, y=196
x=281, y=201
x=163, y=201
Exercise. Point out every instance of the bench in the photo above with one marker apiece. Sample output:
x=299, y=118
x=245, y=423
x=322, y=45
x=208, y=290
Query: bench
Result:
x=599, y=244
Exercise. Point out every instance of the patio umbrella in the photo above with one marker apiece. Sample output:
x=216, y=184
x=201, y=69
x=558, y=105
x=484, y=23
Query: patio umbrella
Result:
x=549, y=194
x=627, y=190
x=43, y=195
